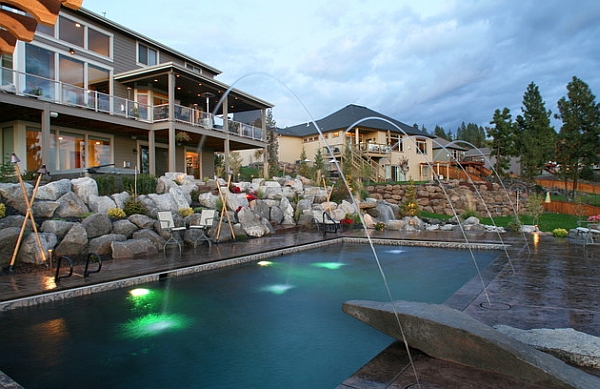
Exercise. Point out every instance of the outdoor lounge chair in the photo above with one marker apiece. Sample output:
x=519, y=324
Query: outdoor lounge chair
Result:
x=167, y=224
x=207, y=219
x=587, y=235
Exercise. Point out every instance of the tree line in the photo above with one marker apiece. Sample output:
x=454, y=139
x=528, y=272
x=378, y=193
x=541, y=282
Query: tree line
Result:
x=574, y=149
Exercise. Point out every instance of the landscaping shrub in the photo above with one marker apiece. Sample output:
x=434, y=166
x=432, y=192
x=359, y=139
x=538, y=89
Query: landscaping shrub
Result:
x=560, y=232
x=116, y=213
x=134, y=206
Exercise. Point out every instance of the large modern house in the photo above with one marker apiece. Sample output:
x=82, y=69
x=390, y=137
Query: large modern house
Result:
x=392, y=150
x=87, y=92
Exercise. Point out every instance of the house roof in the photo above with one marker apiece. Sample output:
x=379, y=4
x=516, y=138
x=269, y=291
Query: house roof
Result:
x=347, y=118
x=440, y=143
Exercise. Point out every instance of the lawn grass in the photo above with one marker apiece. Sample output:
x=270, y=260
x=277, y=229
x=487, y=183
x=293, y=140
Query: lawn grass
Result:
x=547, y=222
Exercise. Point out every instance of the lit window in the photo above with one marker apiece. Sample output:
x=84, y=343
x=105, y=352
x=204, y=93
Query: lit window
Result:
x=70, y=31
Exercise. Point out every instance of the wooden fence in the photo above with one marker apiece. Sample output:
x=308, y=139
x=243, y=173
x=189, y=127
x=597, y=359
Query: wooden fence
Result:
x=562, y=185
x=563, y=207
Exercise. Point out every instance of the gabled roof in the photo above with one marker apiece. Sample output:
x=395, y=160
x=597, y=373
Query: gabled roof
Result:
x=344, y=118
x=440, y=143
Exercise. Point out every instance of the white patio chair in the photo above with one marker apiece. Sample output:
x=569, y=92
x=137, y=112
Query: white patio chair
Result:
x=207, y=219
x=167, y=224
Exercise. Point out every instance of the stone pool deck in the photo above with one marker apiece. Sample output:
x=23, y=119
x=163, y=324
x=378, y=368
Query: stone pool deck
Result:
x=550, y=284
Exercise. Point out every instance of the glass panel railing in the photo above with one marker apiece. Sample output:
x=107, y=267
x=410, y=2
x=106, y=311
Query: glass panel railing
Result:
x=161, y=112
x=20, y=83
x=73, y=95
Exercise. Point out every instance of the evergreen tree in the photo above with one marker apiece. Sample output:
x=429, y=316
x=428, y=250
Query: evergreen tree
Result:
x=318, y=167
x=502, y=140
x=535, y=137
x=471, y=133
x=579, y=136
x=272, y=145
x=303, y=168
x=439, y=132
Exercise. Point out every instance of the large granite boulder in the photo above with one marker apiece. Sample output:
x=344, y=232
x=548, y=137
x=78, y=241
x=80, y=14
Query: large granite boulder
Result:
x=157, y=240
x=101, y=204
x=133, y=248
x=8, y=240
x=71, y=205
x=124, y=227
x=142, y=221
x=54, y=190
x=102, y=245
x=44, y=209
x=57, y=227
x=97, y=224
x=29, y=251
x=74, y=243
x=84, y=187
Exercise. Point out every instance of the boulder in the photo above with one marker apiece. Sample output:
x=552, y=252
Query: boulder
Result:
x=8, y=240
x=74, y=243
x=288, y=211
x=44, y=209
x=13, y=221
x=54, y=190
x=29, y=251
x=124, y=227
x=142, y=221
x=57, y=227
x=84, y=187
x=101, y=204
x=150, y=235
x=102, y=244
x=276, y=215
x=163, y=202
x=120, y=199
x=133, y=248
x=208, y=200
x=97, y=224
x=179, y=197
x=70, y=205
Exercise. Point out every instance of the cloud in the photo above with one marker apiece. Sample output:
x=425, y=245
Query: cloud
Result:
x=433, y=62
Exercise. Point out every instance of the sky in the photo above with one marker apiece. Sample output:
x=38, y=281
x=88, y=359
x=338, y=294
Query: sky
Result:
x=430, y=62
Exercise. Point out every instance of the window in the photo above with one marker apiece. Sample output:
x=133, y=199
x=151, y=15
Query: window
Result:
x=71, y=31
x=422, y=146
x=193, y=68
x=39, y=66
x=147, y=55
x=395, y=141
x=98, y=42
x=48, y=30
x=99, y=151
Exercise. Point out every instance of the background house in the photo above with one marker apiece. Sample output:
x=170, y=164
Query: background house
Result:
x=392, y=150
x=88, y=92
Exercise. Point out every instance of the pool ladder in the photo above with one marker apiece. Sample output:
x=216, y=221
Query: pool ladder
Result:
x=86, y=271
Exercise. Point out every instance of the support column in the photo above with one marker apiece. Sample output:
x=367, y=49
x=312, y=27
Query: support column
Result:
x=171, y=163
x=45, y=124
x=263, y=124
x=151, y=153
x=225, y=108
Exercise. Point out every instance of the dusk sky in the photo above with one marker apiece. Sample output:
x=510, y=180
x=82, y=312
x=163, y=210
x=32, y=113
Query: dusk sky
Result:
x=428, y=62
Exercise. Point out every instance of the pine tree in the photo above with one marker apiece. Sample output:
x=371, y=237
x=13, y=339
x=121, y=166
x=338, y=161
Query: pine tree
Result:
x=535, y=137
x=579, y=137
x=272, y=145
x=439, y=132
x=502, y=140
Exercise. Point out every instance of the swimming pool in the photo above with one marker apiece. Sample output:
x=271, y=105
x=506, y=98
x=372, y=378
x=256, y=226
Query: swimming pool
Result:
x=278, y=325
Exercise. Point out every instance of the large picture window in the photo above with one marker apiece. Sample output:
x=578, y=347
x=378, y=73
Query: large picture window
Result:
x=39, y=66
x=80, y=35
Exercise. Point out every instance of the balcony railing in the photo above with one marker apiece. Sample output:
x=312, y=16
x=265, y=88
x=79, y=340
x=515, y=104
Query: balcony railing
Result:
x=25, y=84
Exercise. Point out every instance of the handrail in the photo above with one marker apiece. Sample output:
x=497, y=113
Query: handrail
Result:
x=31, y=85
x=87, y=272
x=56, y=276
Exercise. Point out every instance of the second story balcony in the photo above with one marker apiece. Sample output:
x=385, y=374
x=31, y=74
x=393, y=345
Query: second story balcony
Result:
x=33, y=86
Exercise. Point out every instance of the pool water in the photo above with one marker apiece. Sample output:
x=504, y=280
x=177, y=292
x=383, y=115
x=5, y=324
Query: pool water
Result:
x=273, y=324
